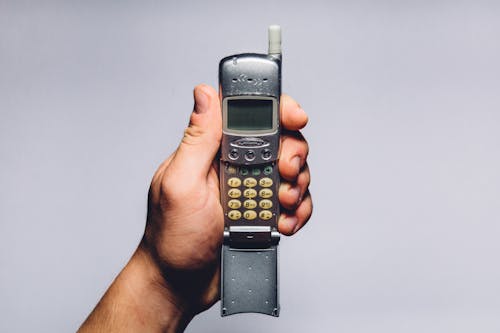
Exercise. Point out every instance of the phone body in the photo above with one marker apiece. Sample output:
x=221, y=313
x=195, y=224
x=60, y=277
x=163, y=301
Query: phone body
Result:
x=250, y=90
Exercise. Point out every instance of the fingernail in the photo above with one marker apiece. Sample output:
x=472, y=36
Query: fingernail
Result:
x=201, y=101
x=291, y=223
x=295, y=162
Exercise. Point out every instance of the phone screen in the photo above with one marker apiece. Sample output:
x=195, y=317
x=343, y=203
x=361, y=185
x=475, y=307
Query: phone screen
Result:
x=249, y=114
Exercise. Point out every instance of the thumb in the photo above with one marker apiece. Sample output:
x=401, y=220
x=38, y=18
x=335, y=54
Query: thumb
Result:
x=201, y=139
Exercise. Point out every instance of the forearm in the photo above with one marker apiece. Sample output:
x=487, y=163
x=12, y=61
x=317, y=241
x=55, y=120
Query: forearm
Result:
x=138, y=301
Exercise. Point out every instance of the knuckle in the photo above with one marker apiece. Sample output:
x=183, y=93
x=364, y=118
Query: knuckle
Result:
x=305, y=177
x=192, y=135
x=309, y=208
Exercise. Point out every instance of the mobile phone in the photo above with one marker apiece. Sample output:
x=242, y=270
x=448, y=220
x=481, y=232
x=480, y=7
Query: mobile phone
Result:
x=250, y=90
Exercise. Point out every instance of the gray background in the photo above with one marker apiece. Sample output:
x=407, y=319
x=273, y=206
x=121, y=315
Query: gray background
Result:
x=404, y=103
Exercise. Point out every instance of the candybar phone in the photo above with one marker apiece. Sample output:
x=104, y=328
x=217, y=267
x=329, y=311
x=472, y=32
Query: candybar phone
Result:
x=250, y=90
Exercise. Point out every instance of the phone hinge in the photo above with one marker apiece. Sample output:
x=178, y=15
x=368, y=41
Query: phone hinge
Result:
x=251, y=237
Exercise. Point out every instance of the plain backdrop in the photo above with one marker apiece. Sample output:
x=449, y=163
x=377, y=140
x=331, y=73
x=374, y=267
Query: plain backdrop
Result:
x=404, y=133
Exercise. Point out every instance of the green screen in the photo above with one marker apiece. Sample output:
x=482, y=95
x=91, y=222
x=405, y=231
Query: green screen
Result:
x=249, y=114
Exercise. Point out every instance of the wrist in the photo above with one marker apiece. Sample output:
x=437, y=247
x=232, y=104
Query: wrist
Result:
x=139, y=301
x=153, y=298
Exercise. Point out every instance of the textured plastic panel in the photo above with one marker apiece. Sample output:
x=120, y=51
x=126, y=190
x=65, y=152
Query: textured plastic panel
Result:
x=250, y=281
x=250, y=74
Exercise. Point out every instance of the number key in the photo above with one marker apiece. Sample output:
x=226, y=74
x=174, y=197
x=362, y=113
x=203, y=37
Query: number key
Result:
x=250, y=182
x=234, y=204
x=266, y=182
x=234, y=182
x=250, y=193
x=265, y=193
x=234, y=193
x=265, y=204
x=250, y=214
x=249, y=204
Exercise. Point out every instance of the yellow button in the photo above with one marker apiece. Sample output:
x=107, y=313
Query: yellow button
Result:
x=250, y=193
x=265, y=193
x=250, y=214
x=234, y=204
x=265, y=204
x=265, y=182
x=250, y=182
x=265, y=214
x=249, y=204
x=234, y=214
x=234, y=182
x=231, y=169
x=234, y=193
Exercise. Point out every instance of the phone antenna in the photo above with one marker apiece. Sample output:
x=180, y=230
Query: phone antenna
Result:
x=274, y=33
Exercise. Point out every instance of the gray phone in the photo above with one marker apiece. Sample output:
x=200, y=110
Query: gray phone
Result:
x=250, y=90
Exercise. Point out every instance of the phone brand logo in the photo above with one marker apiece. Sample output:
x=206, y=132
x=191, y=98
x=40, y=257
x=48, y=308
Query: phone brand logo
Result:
x=249, y=80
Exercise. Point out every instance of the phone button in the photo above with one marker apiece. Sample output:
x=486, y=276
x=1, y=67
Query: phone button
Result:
x=250, y=193
x=249, y=204
x=249, y=182
x=265, y=193
x=250, y=214
x=266, y=154
x=244, y=171
x=266, y=182
x=265, y=204
x=234, y=204
x=265, y=214
x=250, y=155
x=234, y=193
x=234, y=214
x=234, y=154
x=268, y=170
x=231, y=169
x=255, y=172
x=234, y=182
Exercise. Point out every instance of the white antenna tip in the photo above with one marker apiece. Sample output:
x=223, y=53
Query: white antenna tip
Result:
x=274, y=32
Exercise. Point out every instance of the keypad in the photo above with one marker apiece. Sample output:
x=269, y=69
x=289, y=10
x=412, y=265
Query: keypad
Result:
x=250, y=192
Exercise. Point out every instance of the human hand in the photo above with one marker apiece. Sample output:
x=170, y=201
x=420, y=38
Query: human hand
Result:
x=175, y=272
x=185, y=218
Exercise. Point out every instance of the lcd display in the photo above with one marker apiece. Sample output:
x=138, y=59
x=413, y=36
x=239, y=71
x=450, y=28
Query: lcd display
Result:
x=249, y=114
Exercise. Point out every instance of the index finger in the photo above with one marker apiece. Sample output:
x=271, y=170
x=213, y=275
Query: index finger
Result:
x=293, y=118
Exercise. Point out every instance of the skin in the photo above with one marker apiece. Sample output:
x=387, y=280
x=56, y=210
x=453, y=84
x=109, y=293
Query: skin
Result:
x=174, y=273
